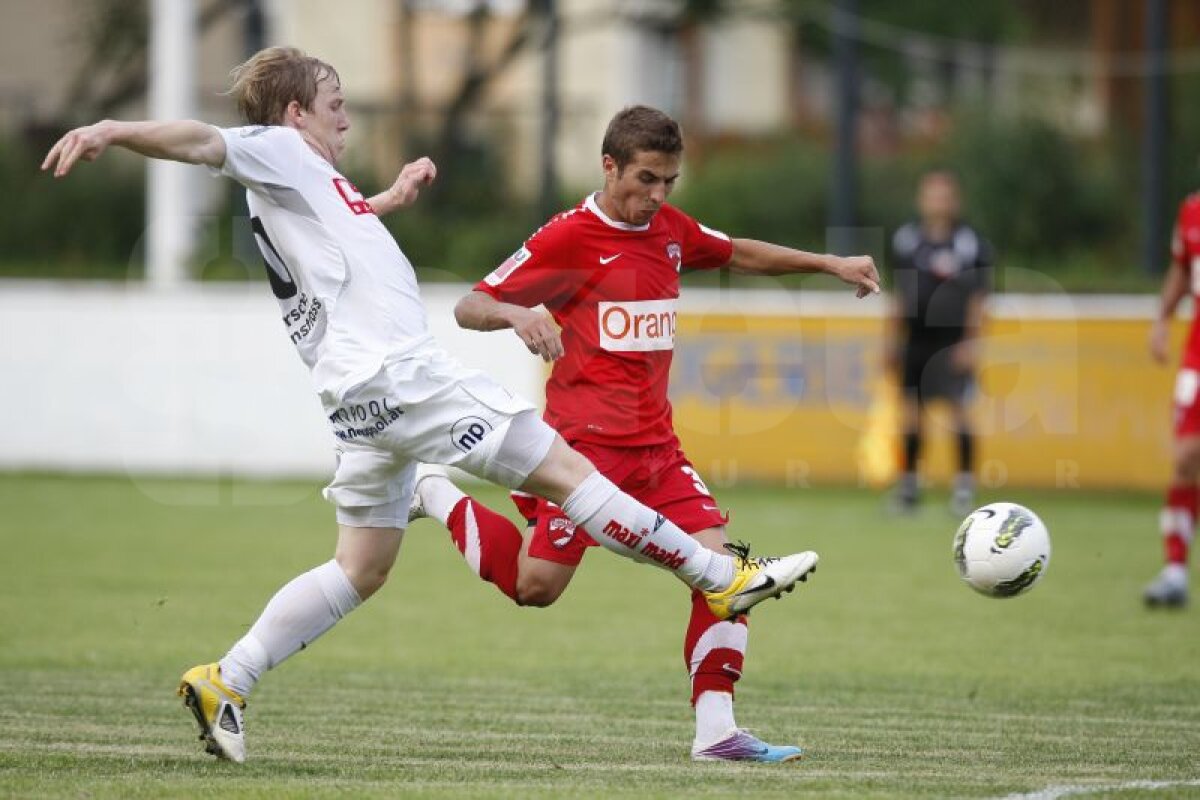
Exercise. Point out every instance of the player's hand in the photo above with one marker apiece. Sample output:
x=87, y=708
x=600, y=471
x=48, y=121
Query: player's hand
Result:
x=413, y=176
x=1159, y=340
x=892, y=358
x=965, y=356
x=539, y=333
x=85, y=143
x=858, y=271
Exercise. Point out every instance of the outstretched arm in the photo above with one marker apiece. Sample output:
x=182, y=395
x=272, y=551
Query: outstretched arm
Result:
x=479, y=311
x=752, y=257
x=181, y=140
x=404, y=191
x=966, y=352
x=1175, y=286
x=894, y=335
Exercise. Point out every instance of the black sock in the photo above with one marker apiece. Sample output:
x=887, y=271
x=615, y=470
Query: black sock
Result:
x=966, y=452
x=912, y=449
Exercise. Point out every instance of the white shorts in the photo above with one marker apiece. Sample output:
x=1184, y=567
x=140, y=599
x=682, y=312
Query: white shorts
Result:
x=425, y=406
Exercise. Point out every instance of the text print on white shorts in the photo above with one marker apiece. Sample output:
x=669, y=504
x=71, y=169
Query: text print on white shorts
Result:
x=447, y=410
x=426, y=406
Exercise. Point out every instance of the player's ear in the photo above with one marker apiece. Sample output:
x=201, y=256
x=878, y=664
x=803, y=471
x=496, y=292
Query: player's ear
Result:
x=293, y=114
x=610, y=166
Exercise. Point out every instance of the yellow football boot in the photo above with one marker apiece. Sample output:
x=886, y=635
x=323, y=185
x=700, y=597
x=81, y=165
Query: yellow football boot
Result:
x=218, y=711
x=755, y=579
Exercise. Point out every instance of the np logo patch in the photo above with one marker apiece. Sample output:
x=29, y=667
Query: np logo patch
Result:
x=562, y=531
x=468, y=432
x=675, y=255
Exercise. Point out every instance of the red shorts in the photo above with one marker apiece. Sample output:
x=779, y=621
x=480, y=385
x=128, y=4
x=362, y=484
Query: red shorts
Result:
x=659, y=476
x=1187, y=409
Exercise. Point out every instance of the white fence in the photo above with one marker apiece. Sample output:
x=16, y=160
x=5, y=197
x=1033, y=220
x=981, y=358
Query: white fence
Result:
x=199, y=380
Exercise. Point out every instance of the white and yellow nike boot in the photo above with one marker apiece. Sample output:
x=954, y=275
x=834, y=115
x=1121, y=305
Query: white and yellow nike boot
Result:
x=218, y=711
x=757, y=578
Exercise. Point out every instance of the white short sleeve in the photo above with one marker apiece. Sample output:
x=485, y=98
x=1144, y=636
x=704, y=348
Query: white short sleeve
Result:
x=263, y=156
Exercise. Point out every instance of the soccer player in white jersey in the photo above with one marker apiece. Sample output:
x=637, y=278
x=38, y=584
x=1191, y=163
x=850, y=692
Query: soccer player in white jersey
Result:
x=608, y=272
x=351, y=306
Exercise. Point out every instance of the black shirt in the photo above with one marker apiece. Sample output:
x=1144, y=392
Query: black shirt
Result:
x=935, y=280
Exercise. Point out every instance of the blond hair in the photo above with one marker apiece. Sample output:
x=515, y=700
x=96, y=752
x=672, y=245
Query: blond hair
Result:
x=271, y=79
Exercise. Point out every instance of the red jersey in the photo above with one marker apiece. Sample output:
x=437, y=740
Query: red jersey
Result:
x=1185, y=251
x=612, y=288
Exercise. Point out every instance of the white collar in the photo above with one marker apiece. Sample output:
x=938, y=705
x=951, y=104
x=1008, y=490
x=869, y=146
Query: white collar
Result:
x=591, y=205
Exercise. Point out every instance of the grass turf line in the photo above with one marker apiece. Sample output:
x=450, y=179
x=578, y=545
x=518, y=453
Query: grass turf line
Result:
x=896, y=678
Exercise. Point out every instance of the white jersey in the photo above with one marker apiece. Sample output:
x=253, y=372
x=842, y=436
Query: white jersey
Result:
x=347, y=294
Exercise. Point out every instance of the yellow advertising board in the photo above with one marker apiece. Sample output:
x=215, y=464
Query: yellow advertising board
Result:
x=1063, y=400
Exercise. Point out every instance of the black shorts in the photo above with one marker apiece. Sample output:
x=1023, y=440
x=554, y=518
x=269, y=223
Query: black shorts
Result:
x=929, y=372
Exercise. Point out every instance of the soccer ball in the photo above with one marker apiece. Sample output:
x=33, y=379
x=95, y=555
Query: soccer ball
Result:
x=1002, y=550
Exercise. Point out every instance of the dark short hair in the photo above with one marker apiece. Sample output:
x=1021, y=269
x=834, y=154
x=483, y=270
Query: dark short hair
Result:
x=640, y=128
x=939, y=173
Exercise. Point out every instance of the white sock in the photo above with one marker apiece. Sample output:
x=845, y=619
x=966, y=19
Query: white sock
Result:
x=1176, y=573
x=298, y=613
x=628, y=528
x=714, y=718
x=439, y=495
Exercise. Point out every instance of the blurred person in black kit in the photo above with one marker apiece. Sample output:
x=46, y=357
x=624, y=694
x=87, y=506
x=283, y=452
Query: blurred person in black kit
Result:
x=942, y=274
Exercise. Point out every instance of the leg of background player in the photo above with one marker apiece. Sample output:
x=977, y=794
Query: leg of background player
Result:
x=1178, y=521
x=908, y=490
x=962, y=501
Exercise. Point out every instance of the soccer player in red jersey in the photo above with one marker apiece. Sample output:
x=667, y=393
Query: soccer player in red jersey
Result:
x=1178, y=519
x=608, y=272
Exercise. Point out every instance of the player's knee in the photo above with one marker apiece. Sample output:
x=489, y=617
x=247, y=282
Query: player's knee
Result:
x=1187, y=460
x=536, y=591
x=367, y=578
x=1187, y=468
x=559, y=473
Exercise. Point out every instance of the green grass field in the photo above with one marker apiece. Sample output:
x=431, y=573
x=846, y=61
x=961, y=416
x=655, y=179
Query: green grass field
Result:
x=896, y=678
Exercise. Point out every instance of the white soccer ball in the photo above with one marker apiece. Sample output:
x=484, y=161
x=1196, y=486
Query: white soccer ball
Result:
x=1002, y=550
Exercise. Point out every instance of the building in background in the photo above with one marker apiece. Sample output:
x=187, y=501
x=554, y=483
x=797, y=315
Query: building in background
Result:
x=464, y=81
x=414, y=64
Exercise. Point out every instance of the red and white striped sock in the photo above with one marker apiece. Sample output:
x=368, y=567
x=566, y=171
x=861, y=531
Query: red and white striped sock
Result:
x=714, y=651
x=490, y=543
x=1178, y=521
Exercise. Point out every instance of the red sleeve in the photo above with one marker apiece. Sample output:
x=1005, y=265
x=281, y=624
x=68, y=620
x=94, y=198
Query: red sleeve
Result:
x=538, y=273
x=703, y=248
